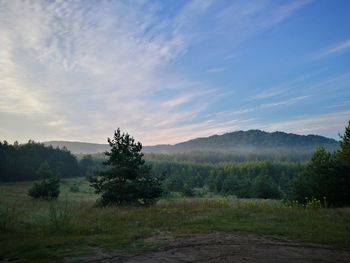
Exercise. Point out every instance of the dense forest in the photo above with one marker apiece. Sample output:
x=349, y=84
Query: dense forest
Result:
x=261, y=179
x=277, y=174
x=191, y=178
x=190, y=175
x=278, y=155
x=20, y=162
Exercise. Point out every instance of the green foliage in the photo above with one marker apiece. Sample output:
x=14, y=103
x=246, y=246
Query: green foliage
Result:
x=76, y=227
x=8, y=218
x=266, y=188
x=243, y=146
x=237, y=179
x=60, y=215
x=343, y=166
x=327, y=175
x=74, y=188
x=86, y=164
x=127, y=178
x=48, y=188
x=343, y=154
x=319, y=178
x=20, y=162
x=187, y=190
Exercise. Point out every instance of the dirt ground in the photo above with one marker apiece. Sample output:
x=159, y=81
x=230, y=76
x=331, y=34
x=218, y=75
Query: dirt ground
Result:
x=218, y=247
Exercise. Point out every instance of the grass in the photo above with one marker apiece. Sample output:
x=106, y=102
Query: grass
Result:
x=40, y=231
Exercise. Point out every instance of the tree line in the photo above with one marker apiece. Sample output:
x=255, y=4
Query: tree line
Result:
x=124, y=176
x=260, y=179
x=20, y=162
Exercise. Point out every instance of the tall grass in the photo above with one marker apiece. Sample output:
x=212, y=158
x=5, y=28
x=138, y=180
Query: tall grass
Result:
x=60, y=215
x=34, y=229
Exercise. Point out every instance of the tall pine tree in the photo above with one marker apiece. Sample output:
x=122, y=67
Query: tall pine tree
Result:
x=343, y=165
x=127, y=178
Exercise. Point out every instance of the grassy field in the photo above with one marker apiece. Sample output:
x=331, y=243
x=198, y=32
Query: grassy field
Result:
x=39, y=231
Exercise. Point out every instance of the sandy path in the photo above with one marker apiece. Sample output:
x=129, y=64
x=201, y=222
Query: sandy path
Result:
x=228, y=248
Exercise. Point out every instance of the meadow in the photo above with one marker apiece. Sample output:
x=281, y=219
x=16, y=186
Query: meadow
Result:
x=40, y=231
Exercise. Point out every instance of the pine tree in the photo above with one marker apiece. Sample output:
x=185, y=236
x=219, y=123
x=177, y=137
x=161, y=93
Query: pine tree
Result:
x=343, y=166
x=344, y=152
x=49, y=187
x=128, y=178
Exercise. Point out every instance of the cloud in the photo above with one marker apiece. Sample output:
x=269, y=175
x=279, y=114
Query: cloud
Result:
x=329, y=124
x=283, y=102
x=231, y=113
x=269, y=93
x=338, y=48
x=283, y=12
x=216, y=70
x=341, y=104
x=88, y=66
x=77, y=70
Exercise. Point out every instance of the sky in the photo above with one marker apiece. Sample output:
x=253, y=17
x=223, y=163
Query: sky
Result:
x=169, y=71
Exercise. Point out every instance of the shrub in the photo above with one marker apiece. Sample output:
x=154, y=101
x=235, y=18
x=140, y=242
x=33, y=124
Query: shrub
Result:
x=265, y=187
x=188, y=191
x=48, y=188
x=74, y=188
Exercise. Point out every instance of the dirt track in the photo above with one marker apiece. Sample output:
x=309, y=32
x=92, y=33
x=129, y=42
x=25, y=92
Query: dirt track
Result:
x=228, y=248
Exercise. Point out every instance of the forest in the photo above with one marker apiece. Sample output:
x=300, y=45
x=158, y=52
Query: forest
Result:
x=19, y=162
x=197, y=173
x=187, y=176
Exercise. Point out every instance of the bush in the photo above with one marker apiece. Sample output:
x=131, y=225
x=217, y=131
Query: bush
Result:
x=48, y=188
x=74, y=188
x=187, y=190
x=265, y=187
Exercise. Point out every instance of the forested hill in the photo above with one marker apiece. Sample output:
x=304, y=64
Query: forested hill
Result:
x=252, y=140
x=239, y=141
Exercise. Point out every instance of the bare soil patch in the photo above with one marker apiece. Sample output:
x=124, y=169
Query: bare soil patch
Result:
x=218, y=247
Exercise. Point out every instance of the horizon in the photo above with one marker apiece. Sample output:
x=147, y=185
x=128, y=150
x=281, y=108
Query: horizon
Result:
x=171, y=72
x=160, y=144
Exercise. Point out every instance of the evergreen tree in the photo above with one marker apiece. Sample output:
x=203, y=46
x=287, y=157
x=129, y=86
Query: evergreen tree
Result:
x=49, y=187
x=343, y=166
x=85, y=164
x=128, y=178
x=343, y=154
x=265, y=187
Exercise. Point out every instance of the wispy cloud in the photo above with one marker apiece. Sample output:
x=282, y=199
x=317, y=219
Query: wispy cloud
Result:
x=283, y=102
x=329, y=124
x=338, y=48
x=282, y=13
x=216, y=70
x=338, y=105
x=71, y=64
x=230, y=113
x=77, y=70
x=269, y=93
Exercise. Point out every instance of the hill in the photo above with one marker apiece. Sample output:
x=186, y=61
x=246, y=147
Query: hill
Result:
x=79, y=147
x=239, y=141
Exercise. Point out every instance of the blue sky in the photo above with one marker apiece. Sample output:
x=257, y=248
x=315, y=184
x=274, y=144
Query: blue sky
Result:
x=168, y=71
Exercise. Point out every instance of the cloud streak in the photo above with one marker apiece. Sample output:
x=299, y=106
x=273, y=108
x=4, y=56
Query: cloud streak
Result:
x=283, y=102
x=327, y=124
x=338, y=48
